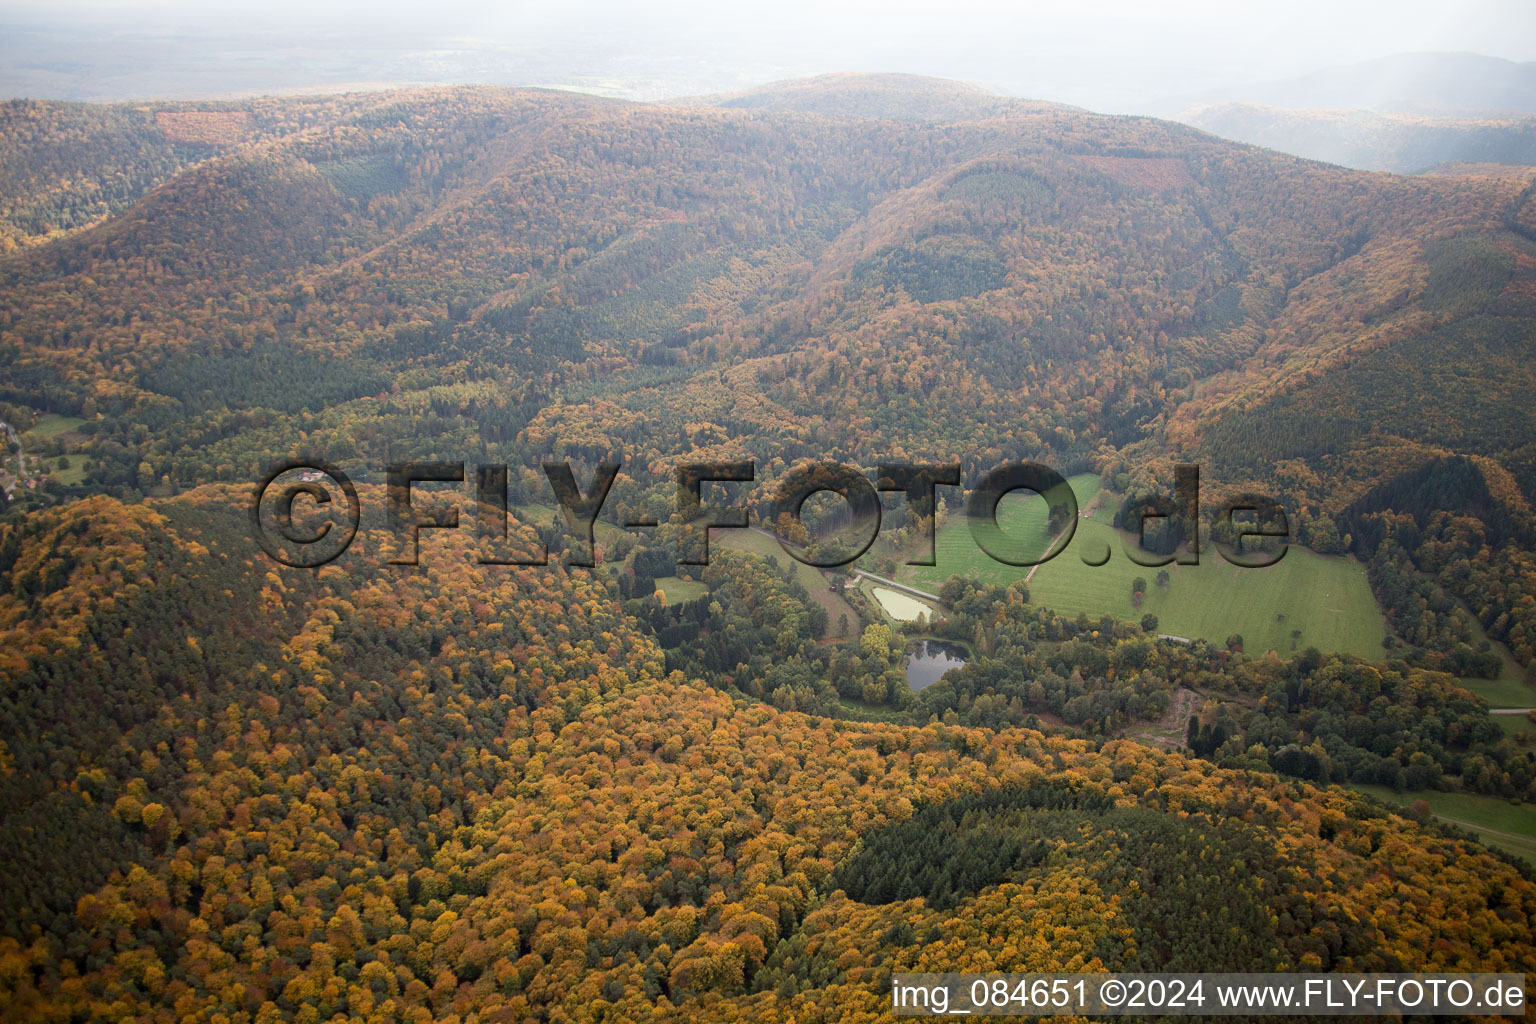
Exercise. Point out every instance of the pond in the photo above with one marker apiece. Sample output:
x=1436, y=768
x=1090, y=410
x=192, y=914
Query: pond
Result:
x=899, y=606
x=929, y=660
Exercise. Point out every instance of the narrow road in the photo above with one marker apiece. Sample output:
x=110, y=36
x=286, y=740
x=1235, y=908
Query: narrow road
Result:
x=1510, y=711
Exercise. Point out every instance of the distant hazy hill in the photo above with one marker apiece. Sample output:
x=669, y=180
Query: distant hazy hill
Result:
x=1431, y=84
x=891, y=97
x=1372, y=141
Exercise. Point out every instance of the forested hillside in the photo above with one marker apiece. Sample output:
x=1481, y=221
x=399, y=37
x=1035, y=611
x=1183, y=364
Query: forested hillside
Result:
x=235, y=790
x=67, y=166
x=523, y=274
x=1045, y=284
x=406, y=796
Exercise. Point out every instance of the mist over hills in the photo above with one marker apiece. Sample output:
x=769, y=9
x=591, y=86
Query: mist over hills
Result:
x=1371, y=141
x=1406, y=114
x=1423, y=84
x=887, y=96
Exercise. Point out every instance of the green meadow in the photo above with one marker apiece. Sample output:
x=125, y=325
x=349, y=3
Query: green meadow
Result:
x=1509, y=689
x=1022, y=517
x=51, y=425
x=1305, y=600
x=1517, y=727
x=680, y=591
x=74, y=474
x=48, y=427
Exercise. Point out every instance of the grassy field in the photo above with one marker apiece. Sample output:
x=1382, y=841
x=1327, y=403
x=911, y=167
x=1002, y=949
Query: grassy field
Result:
x=1509, y=690
x=73, y=475
x=538, y=514
x=51, y=426
x=809, y=576
x=680, y=591
x=860, y=711
x=1511, y=827
x=1327, y=599
x=1516, y=727
x=1022, y=517
x=47, y=428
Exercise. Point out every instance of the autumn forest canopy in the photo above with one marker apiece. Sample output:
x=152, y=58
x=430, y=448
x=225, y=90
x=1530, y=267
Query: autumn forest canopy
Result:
x=649, y=790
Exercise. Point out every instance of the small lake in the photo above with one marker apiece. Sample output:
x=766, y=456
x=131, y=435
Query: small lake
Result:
x=899, y=606
x=930, y=659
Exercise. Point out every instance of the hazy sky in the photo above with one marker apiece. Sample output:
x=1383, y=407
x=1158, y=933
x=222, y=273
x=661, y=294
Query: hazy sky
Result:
x=1109, y=54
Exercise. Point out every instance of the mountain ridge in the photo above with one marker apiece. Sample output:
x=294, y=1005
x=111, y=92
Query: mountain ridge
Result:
x=966, y=283
x=890, y=96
